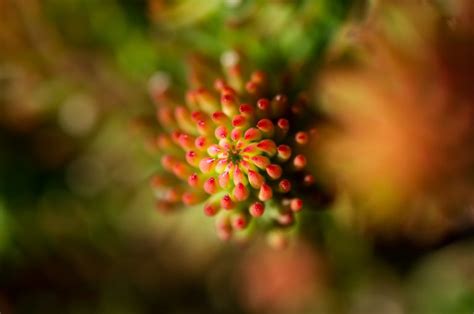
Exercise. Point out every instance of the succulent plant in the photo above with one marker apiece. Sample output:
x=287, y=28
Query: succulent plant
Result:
x=235, y=148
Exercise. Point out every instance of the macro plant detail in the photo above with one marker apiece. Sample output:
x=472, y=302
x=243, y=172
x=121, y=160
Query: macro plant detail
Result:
x=236, y=150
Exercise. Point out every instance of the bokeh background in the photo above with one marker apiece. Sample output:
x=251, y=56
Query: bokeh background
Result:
x=79, y=232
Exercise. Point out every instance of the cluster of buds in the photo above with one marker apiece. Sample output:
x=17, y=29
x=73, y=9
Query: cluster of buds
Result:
x=235, y=152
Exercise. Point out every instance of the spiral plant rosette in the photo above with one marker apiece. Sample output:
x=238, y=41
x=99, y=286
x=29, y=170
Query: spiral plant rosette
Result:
x=235, y=148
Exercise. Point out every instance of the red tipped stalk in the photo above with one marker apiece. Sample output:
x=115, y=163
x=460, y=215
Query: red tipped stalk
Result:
x=186, y=141
x=283, y=125
x=226, y=202
x=299, y=162
x=203, y=127
x=302, y=138
x=246, y=110
x=192, y=158
x=236, y=134
x=308, y=179
x=265, y=193
x=193, y=180
x=224, y=179
x=168, y=162
x=240, y=192
x=181, y=170
x=200, y=143
x=229, y=104
x=189, y=198
x=213, y=150
x=263, y=104
x=207, y=102
x=210, y=209
x=239, y=221
x=296, y=204
x=283, y=152
x=257, y=209
x=206, y=164
x=274, y=171
x=239, y=176
x=221, y=132
x=284, y=186
x=219, y=117
x=251, y=88
x=210, y=186
x=267, y=146
x=255, y=179
x=223, y=228
x=238, y=121
x=252, y=134
x=260, y=161
x=285, y=219
x=266, y=126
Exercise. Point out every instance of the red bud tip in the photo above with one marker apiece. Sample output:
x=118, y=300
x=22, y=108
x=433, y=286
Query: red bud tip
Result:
x=165, y=116
x=224, y=233
x=299, y=162
x=284, y=152
x=257, y=209
x=246, y=110
x=255, y=179
x=274, y=171
x=197, y=116
x=200, y=142
x=192, y=158
x=308, y=179
x=236, y=134
x=258, y=77
x=219, y=84
x=210, y=186
x=239, y=177
x=213, y=150
x=206, y=164
x=267, y=146
x=283, y=124
x=181, y=170
x=193, y=180
x=190, y=198
x=238, y=120
x=210, y=210
x=265, y=125
x=265, y=193
x=218, y=117
x=260, y=161
x=224, y=179
x=221, y=132
x=252, y=134
x=251, y=87
x=285, y=219
x=263, y=104
x=240, y=192
x=167, y=162
x=158, y=182
x=186, y=141
x=239, y=222
x=296, y=204
x=285, y=185
x=227, y=99
x=301, y=138
x=226, y=202
x=203, y=127
x=175, y=136
x=227, y=90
